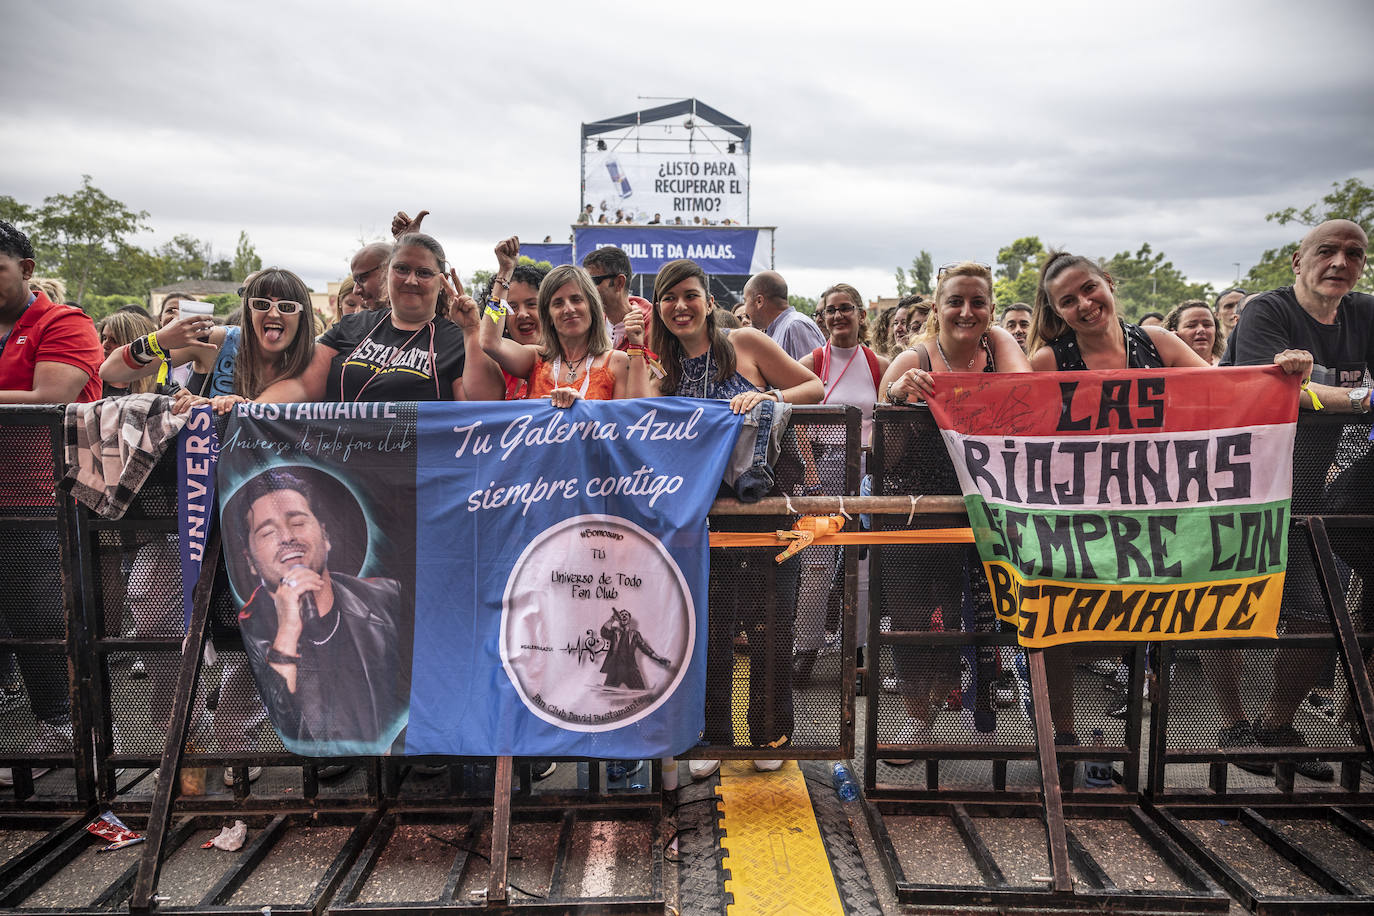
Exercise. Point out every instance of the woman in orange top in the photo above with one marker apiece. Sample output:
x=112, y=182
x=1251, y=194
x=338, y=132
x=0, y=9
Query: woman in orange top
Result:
x=573, y=359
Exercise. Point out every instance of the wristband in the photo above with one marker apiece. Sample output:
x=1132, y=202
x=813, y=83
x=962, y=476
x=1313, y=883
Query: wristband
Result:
x=157, y=351
x=1316, y=401
x=892, y=398
x=131, y=358
x=139, y=350
x=776, y=393
x=281, y=658
x=502, y=280
x=650, y=357
x=497, y=309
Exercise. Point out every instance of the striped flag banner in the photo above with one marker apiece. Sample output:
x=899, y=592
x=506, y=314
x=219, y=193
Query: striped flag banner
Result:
x=1127, y=505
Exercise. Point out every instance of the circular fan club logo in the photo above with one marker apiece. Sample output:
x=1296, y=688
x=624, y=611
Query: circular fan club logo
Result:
x=597, y=624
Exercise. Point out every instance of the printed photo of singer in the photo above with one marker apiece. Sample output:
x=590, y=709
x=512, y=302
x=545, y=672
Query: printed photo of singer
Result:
x=329, y=645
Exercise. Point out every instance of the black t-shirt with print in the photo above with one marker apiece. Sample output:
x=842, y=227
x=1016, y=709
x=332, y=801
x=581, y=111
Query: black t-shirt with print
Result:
x=376, y=361
x=1275, y=322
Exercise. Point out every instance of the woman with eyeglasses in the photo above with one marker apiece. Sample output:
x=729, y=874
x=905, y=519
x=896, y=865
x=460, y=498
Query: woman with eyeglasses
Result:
x=407, y=352
x=229, y=364
x=849, y=371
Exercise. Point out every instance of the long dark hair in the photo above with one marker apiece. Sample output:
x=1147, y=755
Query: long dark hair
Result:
x=254, y=370
x=1046, y=325
x=665, y=343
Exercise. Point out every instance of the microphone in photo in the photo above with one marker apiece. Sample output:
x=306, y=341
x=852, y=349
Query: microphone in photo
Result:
x=310, y=611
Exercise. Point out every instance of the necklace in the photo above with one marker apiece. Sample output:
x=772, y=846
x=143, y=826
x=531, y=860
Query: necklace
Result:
x=320, y=642
x=572, y=373
x=573, y=366
x=694, y=379
x=941, y=348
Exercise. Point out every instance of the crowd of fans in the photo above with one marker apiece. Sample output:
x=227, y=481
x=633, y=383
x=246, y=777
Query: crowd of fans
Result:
x=409, y=331
x=621, y=217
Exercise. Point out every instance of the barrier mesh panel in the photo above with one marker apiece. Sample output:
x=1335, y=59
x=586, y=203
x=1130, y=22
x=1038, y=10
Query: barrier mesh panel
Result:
x=36, y=681
x=935, y=690
x=774, y=672
x=26, y=455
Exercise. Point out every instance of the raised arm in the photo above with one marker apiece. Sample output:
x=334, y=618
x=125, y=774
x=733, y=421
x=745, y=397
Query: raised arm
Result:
x=180, y=340
x=639, y=382
x=482, y=379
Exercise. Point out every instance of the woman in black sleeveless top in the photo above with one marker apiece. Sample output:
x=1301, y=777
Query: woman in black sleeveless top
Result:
x=1075, y=324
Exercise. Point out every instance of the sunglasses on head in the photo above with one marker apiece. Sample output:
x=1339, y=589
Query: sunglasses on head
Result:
x=284, y=306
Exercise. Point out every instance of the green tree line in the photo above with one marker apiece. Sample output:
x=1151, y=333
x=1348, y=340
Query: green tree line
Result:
x=84, y=239
x=1147, y=281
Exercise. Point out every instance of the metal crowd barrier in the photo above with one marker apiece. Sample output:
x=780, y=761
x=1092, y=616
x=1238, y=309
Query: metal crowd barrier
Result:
x=141, y=693
x=990, y=749
x=151, y=705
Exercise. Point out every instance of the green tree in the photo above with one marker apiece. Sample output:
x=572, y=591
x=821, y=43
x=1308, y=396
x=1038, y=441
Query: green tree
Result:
x=1018, y=271
x=79, y=234
x=802, y=304
x=1147, y=281
x=1275, y=269
x=99, y=306
x=1020, y=254
x=16, y=214
x=917, y=278
x=246, y=258
x=1351, y=199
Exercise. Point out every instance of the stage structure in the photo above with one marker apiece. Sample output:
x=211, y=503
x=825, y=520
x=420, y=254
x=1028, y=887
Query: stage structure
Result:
x=679, y=176
x=684, y=159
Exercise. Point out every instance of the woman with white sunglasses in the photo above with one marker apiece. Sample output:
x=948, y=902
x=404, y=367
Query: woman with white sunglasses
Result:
x=229, y=364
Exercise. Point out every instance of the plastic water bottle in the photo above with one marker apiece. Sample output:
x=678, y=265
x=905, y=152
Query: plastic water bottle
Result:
x=1097, y=774
x=845, y=786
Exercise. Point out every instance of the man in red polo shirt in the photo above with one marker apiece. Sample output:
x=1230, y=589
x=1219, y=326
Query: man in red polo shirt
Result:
x=49, y=353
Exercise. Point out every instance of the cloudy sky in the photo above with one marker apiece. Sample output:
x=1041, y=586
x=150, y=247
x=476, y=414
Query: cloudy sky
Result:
x=879, y=129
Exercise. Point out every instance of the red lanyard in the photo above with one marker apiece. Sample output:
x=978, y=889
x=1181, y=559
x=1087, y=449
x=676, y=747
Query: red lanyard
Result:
x=433, y=368
x=825, y=357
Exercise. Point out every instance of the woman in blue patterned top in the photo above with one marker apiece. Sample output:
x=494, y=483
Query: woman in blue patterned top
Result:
x=744, y=366
x=701, y=360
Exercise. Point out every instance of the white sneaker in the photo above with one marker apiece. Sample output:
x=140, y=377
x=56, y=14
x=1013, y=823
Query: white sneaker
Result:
x=767, y=766
x=253, y=774
x=700, y=769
